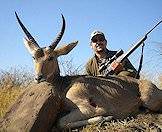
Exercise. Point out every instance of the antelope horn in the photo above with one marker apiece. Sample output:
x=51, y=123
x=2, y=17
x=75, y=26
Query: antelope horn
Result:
x=59, y=36
x=29, y=36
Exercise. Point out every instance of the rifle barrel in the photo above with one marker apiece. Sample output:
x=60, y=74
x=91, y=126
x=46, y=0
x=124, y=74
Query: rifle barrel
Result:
x=123, y=56
x=153, y=28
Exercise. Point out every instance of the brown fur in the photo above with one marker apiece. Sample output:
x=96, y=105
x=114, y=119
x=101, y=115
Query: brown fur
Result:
x=29, y=112
x=114, y=96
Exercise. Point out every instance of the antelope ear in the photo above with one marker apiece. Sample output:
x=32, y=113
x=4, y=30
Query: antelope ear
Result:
x=30, y=46
x=65, y=49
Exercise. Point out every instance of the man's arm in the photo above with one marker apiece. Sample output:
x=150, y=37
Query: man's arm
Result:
x=128, y=69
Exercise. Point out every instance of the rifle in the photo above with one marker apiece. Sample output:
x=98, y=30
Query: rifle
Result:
x=119, y=57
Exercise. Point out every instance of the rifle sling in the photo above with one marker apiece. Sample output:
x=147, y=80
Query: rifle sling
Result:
x=140, y=63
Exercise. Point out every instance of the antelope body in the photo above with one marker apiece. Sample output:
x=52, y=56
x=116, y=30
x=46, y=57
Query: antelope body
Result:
x=86, y=97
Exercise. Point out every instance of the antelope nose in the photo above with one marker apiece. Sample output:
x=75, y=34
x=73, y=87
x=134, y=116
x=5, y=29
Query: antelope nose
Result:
x=39, y=78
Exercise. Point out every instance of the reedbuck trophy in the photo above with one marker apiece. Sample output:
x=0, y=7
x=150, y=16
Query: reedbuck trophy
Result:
x=88, y=99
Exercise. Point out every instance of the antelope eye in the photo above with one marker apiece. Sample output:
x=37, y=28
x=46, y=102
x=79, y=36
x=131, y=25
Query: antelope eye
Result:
x=39, y=53
x=50, y=58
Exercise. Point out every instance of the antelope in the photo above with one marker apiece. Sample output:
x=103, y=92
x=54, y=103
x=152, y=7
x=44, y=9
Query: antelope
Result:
x=88, y=99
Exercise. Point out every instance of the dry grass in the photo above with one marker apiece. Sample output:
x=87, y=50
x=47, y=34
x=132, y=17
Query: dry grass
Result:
x=160, y=81
x=15, y=78
x=142, y=123
x=12, y=82
x=7, y=97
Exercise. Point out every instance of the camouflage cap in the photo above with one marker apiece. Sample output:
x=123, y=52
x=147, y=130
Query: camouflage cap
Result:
x=94, y=33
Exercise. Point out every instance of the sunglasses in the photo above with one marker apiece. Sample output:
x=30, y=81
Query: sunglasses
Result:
x=96, y=39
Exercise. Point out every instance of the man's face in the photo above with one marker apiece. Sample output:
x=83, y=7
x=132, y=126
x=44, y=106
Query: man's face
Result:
x=98, y=43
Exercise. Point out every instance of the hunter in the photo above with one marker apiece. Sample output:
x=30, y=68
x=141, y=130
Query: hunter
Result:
x=98, y=44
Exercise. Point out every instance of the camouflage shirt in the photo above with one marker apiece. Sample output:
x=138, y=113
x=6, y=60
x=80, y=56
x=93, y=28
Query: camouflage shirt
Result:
x=92, y=66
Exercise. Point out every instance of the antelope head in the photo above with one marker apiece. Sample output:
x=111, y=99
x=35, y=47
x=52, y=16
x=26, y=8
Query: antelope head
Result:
x=45, y=59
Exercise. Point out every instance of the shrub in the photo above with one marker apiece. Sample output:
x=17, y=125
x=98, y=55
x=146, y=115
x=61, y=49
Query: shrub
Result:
x=15, y=78
x=11, y=84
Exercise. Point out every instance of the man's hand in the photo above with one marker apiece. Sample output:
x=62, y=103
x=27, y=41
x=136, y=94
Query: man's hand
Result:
x=116, y=67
